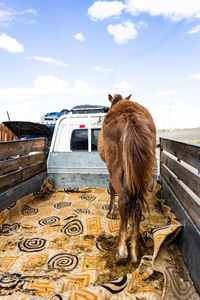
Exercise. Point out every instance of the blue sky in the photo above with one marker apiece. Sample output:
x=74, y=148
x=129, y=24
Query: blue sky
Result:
x=57, y=54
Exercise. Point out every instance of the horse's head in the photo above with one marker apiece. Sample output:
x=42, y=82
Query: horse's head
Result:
x=117, y=98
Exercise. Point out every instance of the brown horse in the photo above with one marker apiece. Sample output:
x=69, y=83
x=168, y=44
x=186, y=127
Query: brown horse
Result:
x=127, y=144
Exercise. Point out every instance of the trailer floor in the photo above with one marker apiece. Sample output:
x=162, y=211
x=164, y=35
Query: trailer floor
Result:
x=60, y=245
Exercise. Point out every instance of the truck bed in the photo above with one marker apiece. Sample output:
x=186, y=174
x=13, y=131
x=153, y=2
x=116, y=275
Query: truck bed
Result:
x=60, y=245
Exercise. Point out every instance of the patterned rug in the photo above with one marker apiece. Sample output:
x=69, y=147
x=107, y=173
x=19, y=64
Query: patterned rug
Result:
x=60, y=245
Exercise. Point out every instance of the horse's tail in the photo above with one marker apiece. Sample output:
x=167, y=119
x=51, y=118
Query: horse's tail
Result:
x=138, y=144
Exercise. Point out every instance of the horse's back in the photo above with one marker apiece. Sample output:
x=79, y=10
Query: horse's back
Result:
x=122, y=112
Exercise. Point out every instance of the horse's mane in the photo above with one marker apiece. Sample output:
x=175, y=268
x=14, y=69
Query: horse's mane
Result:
x=116, y=99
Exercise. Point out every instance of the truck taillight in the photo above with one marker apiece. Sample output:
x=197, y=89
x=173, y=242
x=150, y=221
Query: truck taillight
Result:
x=81, y=126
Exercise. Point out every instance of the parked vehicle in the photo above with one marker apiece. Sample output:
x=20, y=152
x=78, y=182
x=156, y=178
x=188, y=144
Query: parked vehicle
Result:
x=28, y=130
x=73, y=159
x=45, y=128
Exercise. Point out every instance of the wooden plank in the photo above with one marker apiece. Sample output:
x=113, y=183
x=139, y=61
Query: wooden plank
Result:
x=9, y=135
x=15, y=148
x=9, y=180
x=22, y=161
x=183, y=151
x=1, y=128
x=190, y=179
x=3, y=134
x=190, y=205
x=31, y=185
x=188, y=240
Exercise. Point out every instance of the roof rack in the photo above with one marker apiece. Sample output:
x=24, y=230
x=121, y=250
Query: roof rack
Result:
x=89, y=109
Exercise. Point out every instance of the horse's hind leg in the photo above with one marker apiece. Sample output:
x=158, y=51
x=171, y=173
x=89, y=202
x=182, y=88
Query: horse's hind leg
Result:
x=124, y=202
x=112, y=202
x=135, y=247
x=124, y=209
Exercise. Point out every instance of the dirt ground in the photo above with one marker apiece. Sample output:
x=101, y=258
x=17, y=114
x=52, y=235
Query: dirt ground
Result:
x=191, y=135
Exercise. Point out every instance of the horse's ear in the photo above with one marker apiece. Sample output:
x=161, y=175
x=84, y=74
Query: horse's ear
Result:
x=110, y=97
x=128, y=97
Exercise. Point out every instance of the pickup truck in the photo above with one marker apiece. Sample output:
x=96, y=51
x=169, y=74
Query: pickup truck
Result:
x=56, y=240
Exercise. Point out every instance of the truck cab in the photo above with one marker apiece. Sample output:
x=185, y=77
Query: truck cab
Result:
x=73, y=159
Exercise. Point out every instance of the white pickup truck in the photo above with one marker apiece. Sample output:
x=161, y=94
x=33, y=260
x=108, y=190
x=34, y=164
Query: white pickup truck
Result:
x=73, y=158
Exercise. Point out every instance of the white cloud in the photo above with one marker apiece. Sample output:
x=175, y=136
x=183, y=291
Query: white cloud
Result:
x=31, y=21
x=50, y=93
x=175, y=115
x=194, y=30
x=49, y=82
x=28, y=11
x=10, y=44
x=47, y=93
x=141, y=24
x=123, y=32
x=196, y=76
x=122, y=85
x=101, y=10
x=5, y=17
x=80, y=85
x=166, y=93
x=48, y=86
x=174, y=10
x=101, y=69
x=49, y=60
x=8, y=15
x=79, y=36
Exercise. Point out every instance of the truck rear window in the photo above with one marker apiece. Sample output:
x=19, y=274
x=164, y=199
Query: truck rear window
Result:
x=79, y=139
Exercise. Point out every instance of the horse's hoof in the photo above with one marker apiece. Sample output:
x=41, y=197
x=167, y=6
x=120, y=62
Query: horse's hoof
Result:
x=122, y=253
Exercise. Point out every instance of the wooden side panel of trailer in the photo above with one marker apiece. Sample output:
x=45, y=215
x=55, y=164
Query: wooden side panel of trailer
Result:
x=22, y=169
x=179, y=174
